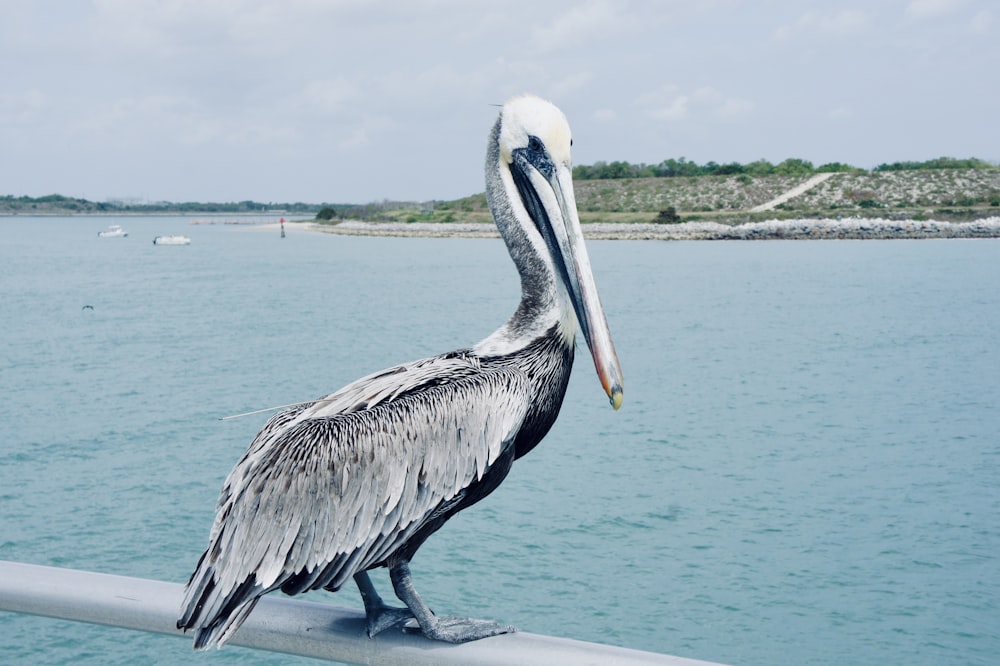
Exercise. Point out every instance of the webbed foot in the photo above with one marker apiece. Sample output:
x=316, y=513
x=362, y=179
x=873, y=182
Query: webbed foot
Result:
x=455, y=629
x=378, y=620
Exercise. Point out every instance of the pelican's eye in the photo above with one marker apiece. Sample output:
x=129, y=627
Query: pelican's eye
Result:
x=535, y=144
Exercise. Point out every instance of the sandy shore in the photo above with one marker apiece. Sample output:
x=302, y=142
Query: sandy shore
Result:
x=850, y=228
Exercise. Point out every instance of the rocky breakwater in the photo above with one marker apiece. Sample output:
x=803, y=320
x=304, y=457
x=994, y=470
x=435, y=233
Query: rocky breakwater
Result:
x=802, y=229
x=419, y=229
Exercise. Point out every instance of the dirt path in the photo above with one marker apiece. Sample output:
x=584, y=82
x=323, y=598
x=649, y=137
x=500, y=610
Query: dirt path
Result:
x=792, y=193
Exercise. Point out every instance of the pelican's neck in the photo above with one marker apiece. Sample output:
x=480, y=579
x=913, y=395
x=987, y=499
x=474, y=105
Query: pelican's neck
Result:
x=544, y=301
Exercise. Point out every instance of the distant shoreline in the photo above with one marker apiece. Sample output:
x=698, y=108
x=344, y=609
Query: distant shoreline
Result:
x=850, y=228
x=803, y=229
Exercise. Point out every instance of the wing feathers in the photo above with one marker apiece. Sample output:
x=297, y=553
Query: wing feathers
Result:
x=322, y=494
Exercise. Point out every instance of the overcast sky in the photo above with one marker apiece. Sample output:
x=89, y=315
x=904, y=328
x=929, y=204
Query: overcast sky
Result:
x=363, y=100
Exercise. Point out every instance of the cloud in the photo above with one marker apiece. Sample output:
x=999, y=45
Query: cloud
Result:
x=357, y=139
x=157, y=112
x=981, y=23
x=667, y=104
x=671, y=105
x=571, y=84
x=425, y=87
x=22, y=107
x=845, y=23
x=579, y=27
x=928, y=9
x=734, y=108
x=605, y=115
x=328, y=96
x=841, y=113
x=175, y=120
x=364, y=131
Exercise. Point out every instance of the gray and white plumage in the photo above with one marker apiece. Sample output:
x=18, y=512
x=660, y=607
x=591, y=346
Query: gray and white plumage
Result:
x=360, y=478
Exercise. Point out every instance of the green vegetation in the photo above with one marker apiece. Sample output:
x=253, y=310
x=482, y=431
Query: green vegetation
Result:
x=943, y=188
x=326, y=213
x=56, y=204
x=668, y=216
x=677, y=168
x=939, y=163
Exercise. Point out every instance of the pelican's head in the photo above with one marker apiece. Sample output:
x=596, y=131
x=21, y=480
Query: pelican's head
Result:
x=525, y=119
x=535, y=183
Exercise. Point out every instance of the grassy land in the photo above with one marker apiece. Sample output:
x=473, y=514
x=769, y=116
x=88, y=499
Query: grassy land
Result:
x=944, y=194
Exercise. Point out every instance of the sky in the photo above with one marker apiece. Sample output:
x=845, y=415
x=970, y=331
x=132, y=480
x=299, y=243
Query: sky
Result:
x=355, y=101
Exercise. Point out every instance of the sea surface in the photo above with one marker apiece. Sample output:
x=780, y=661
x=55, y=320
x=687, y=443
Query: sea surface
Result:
x=806, y=468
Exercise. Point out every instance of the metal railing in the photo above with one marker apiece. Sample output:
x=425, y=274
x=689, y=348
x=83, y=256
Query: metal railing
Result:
x=285, y=625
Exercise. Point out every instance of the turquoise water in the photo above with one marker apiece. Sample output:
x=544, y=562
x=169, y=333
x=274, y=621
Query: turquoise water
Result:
x=806, y=468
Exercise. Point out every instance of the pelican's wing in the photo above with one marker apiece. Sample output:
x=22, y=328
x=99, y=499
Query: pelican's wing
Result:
x=323, y=493
x=388, y=384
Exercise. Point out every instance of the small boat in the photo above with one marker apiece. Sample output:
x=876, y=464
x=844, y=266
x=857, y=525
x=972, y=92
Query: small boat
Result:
x=171, y=240
x=113, y=231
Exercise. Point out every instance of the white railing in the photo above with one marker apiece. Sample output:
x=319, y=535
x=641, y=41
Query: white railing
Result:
x=286, y=625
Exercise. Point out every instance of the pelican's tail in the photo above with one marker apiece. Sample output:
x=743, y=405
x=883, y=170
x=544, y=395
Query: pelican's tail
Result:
x=213, y=613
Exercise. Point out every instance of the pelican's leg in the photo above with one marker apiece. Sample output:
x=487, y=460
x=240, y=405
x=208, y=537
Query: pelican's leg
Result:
x=378, y=615
x=452, y=629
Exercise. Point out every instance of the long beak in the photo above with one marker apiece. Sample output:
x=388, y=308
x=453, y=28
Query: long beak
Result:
x=559, y=224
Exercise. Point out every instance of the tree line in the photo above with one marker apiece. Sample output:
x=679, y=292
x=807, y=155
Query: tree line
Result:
x=672, y=168
x=59, y=202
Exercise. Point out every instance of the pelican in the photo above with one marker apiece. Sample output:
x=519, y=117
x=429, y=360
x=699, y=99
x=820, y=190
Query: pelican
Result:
x=357, y=480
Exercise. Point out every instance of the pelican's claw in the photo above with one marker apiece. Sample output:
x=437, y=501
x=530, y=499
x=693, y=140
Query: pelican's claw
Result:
x=455, y=629
x=379, y=619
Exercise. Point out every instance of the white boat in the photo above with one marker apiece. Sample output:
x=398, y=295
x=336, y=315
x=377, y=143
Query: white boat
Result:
x=171, y=240
x=113, y=231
